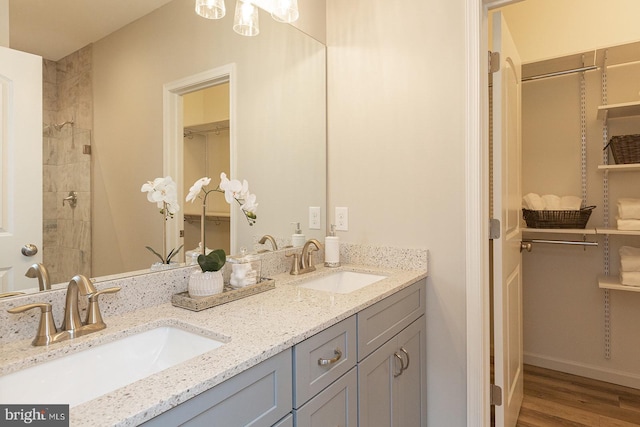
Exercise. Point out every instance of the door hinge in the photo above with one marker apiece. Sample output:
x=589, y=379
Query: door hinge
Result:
x=494, y=228
x=495, y=397
x=494, y=62
x=181, y=233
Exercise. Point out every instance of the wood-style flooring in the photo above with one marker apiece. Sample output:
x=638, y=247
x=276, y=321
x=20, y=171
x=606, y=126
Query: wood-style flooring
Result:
x=553, y=398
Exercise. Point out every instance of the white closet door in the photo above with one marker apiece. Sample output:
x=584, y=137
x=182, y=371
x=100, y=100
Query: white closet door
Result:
x=507, y=260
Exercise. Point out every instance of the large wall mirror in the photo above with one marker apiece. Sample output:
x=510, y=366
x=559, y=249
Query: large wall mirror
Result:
x=112, y=91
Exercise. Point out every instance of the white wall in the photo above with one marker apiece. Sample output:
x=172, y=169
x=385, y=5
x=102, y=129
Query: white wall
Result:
x=396, y=157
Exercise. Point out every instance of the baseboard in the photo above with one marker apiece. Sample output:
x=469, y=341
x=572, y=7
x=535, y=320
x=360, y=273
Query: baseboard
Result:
x=590, y=371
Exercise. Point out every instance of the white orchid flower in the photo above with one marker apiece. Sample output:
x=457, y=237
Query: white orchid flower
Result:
x=196, y=188
x=249, y=204
x=233, y=189
x=161, y=191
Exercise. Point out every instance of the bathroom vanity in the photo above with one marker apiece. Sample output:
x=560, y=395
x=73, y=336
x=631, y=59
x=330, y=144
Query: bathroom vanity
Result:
x=369, y=367
x=289, y=356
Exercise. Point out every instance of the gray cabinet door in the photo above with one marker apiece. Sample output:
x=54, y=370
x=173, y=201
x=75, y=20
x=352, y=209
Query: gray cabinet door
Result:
x=392, y=381
x=335, y=406
x=375, y=386
x=411, y=399
x=260, y=396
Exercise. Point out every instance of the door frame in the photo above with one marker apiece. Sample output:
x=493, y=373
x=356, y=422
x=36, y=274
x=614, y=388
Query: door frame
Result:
x=173, y=127
x=477, y=220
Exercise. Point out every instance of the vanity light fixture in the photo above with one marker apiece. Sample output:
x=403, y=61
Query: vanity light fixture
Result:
x=245, y=21
x=246, y=14
x=211, y=9
x=285, y=11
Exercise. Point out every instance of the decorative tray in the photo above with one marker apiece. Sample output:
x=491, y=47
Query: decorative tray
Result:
x=183, y=300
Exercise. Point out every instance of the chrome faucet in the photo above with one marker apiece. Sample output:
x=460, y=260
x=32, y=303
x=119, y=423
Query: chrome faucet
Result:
x=302, y=263
x=274, y=245
x=72, y=326
x=40, y=271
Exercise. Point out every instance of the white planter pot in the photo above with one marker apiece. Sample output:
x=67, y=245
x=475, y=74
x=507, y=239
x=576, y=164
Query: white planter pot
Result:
x=204, y=284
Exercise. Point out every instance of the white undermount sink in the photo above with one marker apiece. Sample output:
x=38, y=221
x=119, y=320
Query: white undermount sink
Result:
x=342, y=282
x=79, y=377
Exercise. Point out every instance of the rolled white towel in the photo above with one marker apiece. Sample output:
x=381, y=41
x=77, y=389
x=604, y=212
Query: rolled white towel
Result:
x=570, y=203
x=629, y=258
x=533, y=202
x=629, y=208
x=630, y=278
x=628, y=224
x=551, y=202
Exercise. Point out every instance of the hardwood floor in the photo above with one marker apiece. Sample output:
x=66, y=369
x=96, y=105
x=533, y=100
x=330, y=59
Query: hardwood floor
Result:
x=553, y=398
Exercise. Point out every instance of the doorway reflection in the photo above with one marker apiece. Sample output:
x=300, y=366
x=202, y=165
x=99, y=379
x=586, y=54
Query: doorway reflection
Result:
x=207, y=153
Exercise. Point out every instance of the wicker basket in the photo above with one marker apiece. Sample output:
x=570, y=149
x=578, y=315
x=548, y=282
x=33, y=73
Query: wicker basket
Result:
x=625, y=149
x=557, y=219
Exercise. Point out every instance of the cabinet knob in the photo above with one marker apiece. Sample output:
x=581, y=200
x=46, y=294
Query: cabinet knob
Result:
x=325, y=362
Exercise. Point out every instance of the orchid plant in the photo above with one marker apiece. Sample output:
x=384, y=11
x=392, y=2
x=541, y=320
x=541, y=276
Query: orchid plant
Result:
x=163, y=192
x=233, y=190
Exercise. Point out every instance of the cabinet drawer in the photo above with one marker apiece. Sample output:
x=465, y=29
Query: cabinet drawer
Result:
x=335, y=406
x=378, y=323
x=260, y=396
x=336, y=346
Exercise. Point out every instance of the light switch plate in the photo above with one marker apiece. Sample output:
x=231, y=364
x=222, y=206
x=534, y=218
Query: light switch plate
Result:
x=342, y=219
x=314, y=218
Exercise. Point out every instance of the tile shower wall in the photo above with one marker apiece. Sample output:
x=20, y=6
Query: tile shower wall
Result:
x=67, y=94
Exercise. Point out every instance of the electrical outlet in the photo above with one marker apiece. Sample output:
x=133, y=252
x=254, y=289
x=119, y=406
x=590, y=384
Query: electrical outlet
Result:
x=342, y=219
x=314, y=218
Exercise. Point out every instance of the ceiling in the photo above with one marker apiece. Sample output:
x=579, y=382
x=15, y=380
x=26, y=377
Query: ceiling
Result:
x=55, y=28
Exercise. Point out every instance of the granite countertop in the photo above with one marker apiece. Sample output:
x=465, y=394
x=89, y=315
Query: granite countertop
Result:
x=253, y=329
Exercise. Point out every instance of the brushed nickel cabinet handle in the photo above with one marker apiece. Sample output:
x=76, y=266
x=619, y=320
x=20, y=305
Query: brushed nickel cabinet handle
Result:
x=404, y=368
x=325, y=362
x=397, y=356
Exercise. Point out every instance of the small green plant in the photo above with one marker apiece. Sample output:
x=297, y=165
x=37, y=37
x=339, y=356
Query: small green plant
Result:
x=213, y=261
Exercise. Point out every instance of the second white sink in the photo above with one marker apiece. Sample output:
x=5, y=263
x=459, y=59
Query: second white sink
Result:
x=79, y=377
x=342, y=282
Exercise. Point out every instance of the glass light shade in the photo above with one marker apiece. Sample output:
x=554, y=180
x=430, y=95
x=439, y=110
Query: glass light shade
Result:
x=210, y=9
x=285, y=10
x=245, y=21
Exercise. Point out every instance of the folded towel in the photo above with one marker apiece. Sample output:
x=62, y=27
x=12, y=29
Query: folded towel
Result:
x=630, y=278
x=628, y=224
x=629, y=208
x=533, y=202
x=629, y=258
x=551, y=202
x=570, y=203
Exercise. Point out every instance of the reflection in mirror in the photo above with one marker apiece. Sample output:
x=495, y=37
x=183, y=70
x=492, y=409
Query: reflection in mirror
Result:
x=112, y=91
x=207, y=154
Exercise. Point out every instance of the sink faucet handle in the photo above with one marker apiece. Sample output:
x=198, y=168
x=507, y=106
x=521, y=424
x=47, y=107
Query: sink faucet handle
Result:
x=46, y=328
x=295, y=264
x=94, y=317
